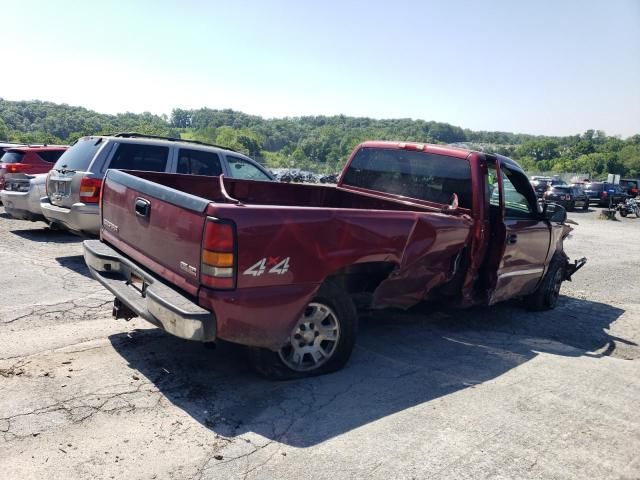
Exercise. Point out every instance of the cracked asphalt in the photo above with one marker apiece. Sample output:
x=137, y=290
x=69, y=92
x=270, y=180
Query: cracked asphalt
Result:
x=484, y=393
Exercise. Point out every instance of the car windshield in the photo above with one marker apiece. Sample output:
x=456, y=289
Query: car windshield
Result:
x=79, y=156
x=12, y=157
x=561, y=189
x=420, y=175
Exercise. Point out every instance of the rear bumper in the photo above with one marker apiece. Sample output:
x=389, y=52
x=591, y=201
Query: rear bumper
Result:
x=160, y=304
x=80, y=218
x=22, y=205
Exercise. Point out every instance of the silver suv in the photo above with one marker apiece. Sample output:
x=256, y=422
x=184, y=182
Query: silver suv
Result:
x=74, y=184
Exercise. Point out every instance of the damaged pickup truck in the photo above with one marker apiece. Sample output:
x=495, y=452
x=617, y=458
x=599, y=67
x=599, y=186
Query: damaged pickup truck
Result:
x=279, y=267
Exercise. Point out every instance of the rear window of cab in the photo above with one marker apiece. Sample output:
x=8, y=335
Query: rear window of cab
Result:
x=409, y=173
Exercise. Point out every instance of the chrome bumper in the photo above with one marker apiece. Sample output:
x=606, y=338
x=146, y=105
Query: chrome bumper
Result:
x=81, y=217
x=22, y=205
x=154, y=301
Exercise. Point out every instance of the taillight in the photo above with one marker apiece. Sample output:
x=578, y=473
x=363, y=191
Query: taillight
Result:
x=603, y=194
x=568, y=197
x=217, y=267
x=90, y=189
x=14, y=167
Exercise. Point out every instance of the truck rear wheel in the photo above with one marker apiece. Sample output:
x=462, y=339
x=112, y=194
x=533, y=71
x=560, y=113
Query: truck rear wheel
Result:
x=547, y=293
x=320, y=342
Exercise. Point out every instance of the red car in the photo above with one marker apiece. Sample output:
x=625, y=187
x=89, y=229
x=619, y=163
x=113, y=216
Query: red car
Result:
x=29, y=160
x=279, y=267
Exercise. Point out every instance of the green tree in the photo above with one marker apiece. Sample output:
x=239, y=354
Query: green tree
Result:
x=4, y=131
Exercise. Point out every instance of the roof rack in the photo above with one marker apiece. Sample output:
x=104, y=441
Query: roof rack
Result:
x=171, y=139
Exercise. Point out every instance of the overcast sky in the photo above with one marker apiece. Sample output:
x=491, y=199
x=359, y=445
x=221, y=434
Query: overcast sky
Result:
x=541, y=67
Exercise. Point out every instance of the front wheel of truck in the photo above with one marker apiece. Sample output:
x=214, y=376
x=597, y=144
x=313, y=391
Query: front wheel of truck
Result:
x=320, y=342
x=546, y=296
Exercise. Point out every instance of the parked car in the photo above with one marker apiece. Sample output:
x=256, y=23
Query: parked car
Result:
x=567, y=196
x=275, y=266
x=604, y=193
x=540, y=187
x=75, y=182
x=21, y=196
x=631, y=186
x=557, y=181
x=28, y=160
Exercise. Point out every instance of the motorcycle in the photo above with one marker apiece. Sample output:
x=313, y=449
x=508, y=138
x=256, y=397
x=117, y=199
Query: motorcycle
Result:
x=630, y=205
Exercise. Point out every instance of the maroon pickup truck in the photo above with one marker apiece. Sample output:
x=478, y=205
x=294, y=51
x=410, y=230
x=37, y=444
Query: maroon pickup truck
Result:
x=280, y=267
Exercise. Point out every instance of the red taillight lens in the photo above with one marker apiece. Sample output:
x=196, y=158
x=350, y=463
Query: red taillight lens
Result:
x=218, y=237
x=217, y=265
x=90, y=190
x=14, y=167
x=603, y=194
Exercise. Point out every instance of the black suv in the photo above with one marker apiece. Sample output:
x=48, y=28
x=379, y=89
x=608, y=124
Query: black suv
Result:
x=568, y=196
x=604, y=193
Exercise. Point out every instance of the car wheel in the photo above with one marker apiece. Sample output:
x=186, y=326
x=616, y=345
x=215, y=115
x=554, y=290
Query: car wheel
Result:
x=586, y=205
x=623, y=213
x=571, y=206
x=546, y=295
x=320, y=342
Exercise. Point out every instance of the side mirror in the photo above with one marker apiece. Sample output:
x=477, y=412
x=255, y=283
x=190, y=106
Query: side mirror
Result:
x=554, y=212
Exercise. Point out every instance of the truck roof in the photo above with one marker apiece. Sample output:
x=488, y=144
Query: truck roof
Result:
x=425, y=147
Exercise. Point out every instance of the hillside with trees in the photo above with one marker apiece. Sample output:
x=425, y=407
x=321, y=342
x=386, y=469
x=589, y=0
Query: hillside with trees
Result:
x=318, y=143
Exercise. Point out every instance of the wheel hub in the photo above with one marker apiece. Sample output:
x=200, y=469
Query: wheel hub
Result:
x=313, y=339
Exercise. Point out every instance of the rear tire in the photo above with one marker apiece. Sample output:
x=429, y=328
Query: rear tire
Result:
x=623, y=213
x=586, y=205
x=571, y=206
x=320, y=342
x=547, y=293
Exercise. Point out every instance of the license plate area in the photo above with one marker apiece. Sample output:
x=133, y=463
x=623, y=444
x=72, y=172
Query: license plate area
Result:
x=62, y=188
x=137, y=283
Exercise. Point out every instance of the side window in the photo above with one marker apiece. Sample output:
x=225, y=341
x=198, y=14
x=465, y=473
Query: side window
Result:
x=51, y=156
x=198, y=162
x=240, y=168
x=130, y=156
x=516, y=203
x=493, y=193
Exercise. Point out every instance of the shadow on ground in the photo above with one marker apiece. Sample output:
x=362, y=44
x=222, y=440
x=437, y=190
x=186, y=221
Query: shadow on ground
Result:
x=401, y=360
x=75, y=263
x=47, y=235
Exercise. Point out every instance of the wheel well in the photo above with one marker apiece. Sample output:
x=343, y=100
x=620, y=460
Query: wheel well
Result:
x=362, y=277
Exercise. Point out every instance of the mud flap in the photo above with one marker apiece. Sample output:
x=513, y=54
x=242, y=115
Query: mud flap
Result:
x=570, y=269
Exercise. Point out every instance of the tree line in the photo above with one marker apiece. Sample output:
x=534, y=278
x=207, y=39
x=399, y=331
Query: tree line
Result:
x=318, y=143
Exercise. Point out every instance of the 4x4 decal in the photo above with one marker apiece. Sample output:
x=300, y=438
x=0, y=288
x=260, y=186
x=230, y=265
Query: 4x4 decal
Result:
x=268, y=265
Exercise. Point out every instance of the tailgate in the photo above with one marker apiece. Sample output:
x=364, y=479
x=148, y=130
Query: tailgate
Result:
x=157, y=226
